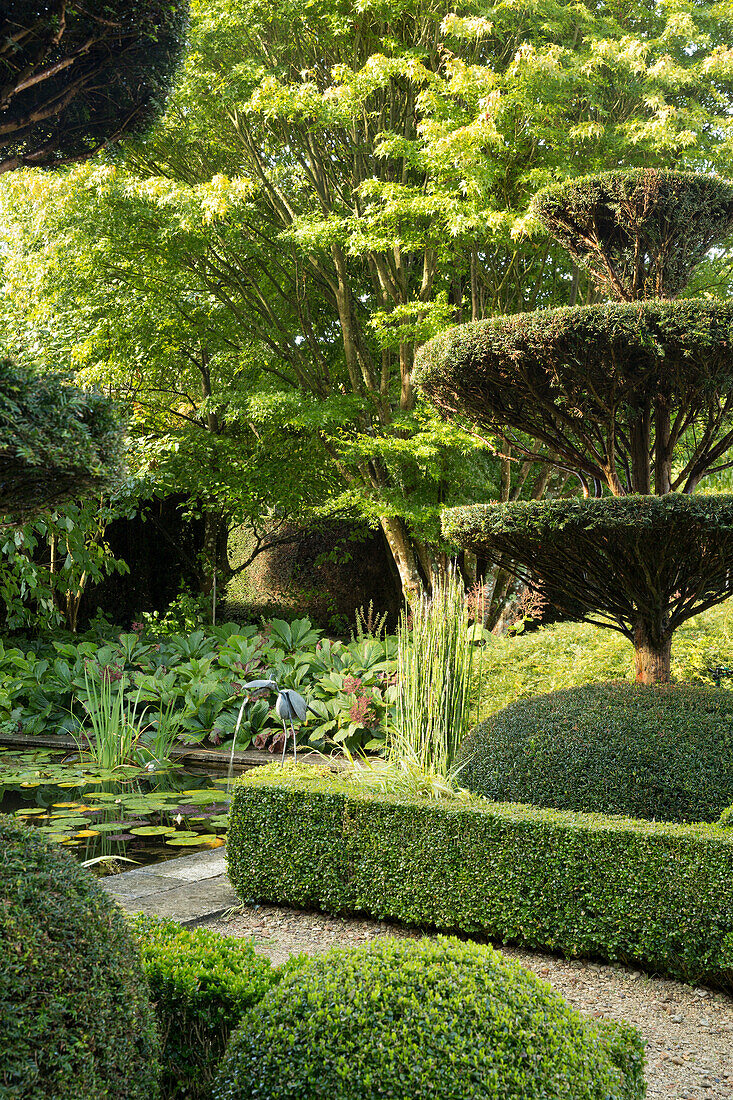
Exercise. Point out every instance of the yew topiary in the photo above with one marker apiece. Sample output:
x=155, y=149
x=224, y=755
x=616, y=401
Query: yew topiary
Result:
x=641, y=565
x=634, y=397
x=662, y=752
x=75, y=1018
x=639, y=233
x=438, y=1018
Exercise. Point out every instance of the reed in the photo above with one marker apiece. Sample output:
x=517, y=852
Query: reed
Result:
x=435, y=660
x=113, y=727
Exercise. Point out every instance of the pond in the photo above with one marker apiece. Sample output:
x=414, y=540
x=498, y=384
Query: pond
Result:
x=114, y=819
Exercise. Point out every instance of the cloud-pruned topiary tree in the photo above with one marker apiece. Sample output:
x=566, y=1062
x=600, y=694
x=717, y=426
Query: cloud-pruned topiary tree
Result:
x=635, y=396
x=75, y=76
x=56, y=441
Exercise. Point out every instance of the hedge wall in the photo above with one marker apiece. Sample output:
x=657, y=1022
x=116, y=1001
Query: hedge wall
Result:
x=581, y=884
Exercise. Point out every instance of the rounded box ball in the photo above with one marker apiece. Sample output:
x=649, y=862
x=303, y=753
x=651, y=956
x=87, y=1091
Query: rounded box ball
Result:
x=433, y=1018
x=75, y=1018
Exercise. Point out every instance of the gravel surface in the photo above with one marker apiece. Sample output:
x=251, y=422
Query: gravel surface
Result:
x=688, y=1032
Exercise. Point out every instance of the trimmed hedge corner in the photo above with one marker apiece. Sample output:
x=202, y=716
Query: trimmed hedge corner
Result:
x=201, y=985
x=610, y=887
x=75, y=1019
x=663, y=751
x=437, y=1017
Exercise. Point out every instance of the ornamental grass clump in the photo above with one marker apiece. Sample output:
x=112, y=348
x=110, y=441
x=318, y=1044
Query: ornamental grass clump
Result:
x=75, y=1019
x=634, y=396
x=434, y=663
x=435, y=1018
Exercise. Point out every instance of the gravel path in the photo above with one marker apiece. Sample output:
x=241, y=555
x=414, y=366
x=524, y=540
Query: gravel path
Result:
x=689, y=1032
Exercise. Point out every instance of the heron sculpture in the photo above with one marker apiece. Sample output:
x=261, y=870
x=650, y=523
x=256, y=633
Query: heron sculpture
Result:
x=288, y=705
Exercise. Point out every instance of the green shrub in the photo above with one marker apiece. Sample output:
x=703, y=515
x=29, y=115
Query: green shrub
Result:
x=201, y=984
x=663, y=752
x=432, y=1018
x=614, y=888
x=75, y=1019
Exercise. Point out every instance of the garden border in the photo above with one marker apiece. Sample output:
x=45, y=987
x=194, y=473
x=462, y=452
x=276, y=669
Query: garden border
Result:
x=614, y=888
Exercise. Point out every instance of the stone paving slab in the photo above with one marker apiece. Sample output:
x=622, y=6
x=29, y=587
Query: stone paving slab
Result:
x=188, y=889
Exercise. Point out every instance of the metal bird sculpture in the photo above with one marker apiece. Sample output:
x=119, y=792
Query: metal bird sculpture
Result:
x=288, y=705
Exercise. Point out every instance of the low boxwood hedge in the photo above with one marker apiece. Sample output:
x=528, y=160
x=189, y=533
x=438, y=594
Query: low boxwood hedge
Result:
x=201, y=985
x=609, y=887
x=438, y=1018
x=75, y=1018
x=663, y=752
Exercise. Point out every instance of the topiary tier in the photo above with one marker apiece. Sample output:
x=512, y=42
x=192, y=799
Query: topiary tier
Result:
x=578, y=380
x=430, y=1018
x=640, y=233
x=634, y=396
x=663, y=752
x=75, y=1019
x=640, y=565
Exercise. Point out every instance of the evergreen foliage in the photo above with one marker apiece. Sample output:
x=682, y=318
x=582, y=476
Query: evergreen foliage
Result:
x=656, y=559
x=639, y=233
x=634, y=396
x=75, y=1019
x=586, y=381
x=606, y=887
x=56, y=441
x=75, y=76
x=433, y=1018
x=663, y=752
x=201, y=985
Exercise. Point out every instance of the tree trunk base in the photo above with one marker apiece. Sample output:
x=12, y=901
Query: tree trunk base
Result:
x=652, y=659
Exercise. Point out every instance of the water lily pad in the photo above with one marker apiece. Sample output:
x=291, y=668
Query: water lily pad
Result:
x=121, y=836
x=87, y=832
x=153, y=830
x=67, y=805
x=29, y=813
x=190, y=841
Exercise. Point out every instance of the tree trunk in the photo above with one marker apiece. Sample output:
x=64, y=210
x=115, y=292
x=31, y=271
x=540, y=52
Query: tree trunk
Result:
x=405, y=558
x=214, y=555
x=652, y=655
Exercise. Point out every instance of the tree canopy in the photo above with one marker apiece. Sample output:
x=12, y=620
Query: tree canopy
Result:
x=639, y=233
x=641, y=565
x=56, y=441
x=75, y=76
x=612, y=390
x=329, y=187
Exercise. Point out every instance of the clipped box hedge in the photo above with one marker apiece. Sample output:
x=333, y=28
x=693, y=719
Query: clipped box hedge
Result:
x=581, y=884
